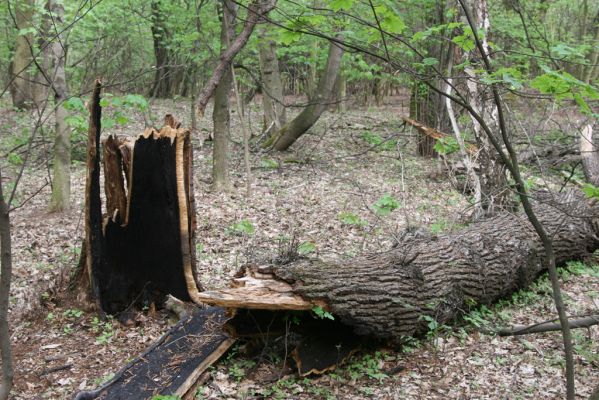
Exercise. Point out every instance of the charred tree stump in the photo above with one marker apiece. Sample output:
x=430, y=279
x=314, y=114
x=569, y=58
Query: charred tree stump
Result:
x=387, y=295
x=142, y=247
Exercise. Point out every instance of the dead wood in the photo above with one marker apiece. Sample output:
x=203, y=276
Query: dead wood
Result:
x=142, y=247
x=389, y=295
x=435, y=134
x=172, y=364
x=548, y=326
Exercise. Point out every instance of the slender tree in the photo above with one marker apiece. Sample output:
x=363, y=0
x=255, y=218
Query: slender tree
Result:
x=289, y=133
x=221, y=113
x=61, y=183
x=272, y=87
x=5, y=278
x=21, y=88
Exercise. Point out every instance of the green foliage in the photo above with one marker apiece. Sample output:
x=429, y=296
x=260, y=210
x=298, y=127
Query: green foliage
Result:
x=446, y=145
x=269, y=163
x=368, y=365
x=349, y=218
x=385, y=205
x=591, y=191
x=322, y=313
x=104, y=329
x=378, y=142
x=73, y=313
x=306, y=248
x=166, y=397
x=243, y=227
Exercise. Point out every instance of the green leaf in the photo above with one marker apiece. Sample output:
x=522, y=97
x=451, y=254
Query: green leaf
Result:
x=465, y=42
x=108, y=123
x=306, y=248
x=591, y=191
x=269, y=163
x=288, y=37
x=322, y=314
x=385, y=205
x=430, y=61
x=349, y=218
x=446, y=145
x=104, y=102
x=242, y=227
x=337, y=5
x=74, y=104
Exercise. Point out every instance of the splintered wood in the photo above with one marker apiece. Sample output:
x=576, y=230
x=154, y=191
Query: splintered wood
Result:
x=142, y=246
x=435, y=134
x=258, y=289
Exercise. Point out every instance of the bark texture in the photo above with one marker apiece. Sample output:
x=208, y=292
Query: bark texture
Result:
x=5, y=278
x=272, y=86
x=495, y=192
x=61, y=183
x=221, y=116
x=21, y=88
x=386, y=295
x=289, y=133
x=256, y=11
x=589, y=153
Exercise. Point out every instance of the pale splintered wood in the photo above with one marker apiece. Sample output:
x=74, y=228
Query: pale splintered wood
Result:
x=257, y=290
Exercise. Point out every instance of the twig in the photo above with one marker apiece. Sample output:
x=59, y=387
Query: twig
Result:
x=548, y=326
x=55, y=369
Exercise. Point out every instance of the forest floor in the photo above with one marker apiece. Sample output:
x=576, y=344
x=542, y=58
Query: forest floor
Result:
x=321, y=193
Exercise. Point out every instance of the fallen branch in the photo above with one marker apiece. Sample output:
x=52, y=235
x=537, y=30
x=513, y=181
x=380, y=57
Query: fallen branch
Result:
x=548, y=326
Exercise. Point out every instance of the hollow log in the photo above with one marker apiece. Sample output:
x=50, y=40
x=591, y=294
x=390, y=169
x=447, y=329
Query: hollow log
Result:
x=389, y=295
x=141, y=248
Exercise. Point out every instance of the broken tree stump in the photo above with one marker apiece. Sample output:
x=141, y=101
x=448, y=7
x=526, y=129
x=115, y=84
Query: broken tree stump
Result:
x=388, y=295
x=141, y=248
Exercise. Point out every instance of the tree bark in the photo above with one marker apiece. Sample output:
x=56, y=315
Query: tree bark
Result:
x=221, y=116
x=272, y=87
x=5, y=278
x=256, y=11
x=61, y=182
x=145, y=251
x=495, y=192
x=589, y=155
x=21, y=88
x=164, y=71
x=289, y=133
x=387, y=295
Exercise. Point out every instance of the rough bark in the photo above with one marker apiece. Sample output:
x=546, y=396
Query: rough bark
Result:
x=61, y=182
x=164, y=71
x=589, y=155
x=256, y=11
x=221, y=116
x=21, y=89
x=289, y=133
x=495, y=192
x=272, y=86
x=387, y=295
x=5, y=278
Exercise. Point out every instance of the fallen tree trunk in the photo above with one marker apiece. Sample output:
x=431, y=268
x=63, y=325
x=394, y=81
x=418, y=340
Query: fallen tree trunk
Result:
x=142, y=248
x=389, y=295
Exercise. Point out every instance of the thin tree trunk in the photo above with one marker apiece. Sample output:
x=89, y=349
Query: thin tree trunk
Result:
x=220, y=115
x=61, y=182
x=164, y=72
x=590, y=155
x=21, y=88
x=496, y=194
x=272, y=87
x=341, y=93
x=5, y=278
x=288, y=134
x=256, y=11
